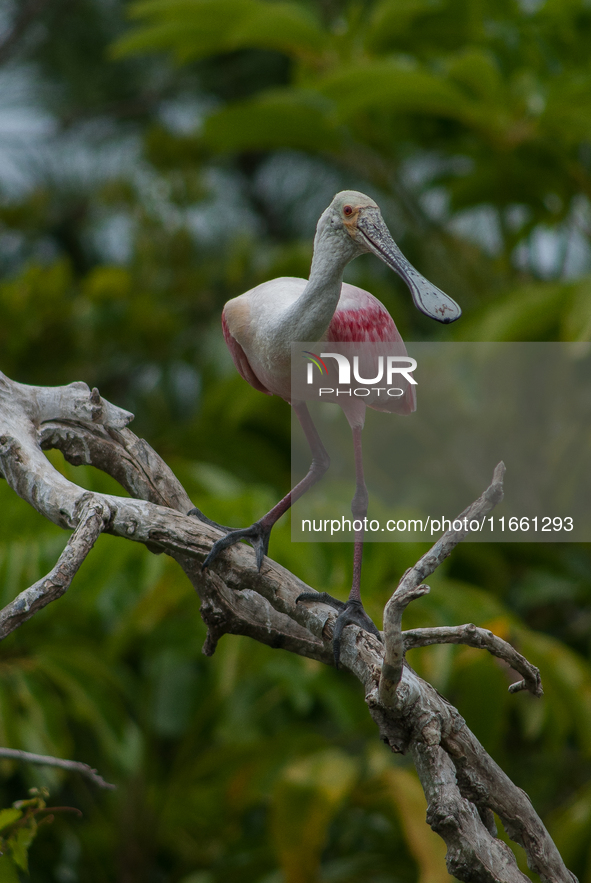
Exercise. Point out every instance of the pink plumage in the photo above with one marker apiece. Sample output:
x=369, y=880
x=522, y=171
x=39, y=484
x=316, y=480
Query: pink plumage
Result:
x=240, y=360
x=361, y=318
x=261, y=326
x=358, y=318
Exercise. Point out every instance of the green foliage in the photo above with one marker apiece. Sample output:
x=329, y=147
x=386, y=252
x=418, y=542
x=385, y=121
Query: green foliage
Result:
x=18, y=829
x=304, y=801
x=252, y=765
x=276, y=118
x=492, y=82
x=198, y=28
x=207, y=752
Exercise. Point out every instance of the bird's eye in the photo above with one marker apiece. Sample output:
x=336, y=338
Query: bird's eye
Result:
x=347, y=210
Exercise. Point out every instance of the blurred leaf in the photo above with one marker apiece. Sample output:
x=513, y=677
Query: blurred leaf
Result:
x=107, y=283
x=567, y=687
x=528, y=313
x=278, y=118
x=427, y=848
x=197, y=28
x=8, y=816
x=8, y=871
x=570, y=828
x=576, y=321
x=477, y=71
x=392, y=19
x=20, y=845
x=568, y=108
x=305, y=799
x=479, y=687
x=394, y=86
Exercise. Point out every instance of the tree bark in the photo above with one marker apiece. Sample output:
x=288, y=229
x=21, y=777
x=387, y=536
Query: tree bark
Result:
x=463, y=785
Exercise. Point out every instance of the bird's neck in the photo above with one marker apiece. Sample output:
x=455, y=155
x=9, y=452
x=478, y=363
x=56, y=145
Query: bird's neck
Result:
x=311, y=314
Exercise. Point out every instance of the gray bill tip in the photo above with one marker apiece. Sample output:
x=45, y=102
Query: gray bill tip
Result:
x=429, y=299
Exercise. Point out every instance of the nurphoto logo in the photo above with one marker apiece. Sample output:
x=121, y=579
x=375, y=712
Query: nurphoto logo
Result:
x=386, y=368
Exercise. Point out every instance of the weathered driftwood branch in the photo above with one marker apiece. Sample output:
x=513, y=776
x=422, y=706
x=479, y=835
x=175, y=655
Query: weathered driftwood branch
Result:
x=56, y=583
x=72, y=766
x=410, y=586
x=463, y=784
x=483, y=639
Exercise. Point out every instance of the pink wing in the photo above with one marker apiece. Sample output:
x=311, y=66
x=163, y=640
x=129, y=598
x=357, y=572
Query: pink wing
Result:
x=240, y=359
x=361, y=318
x=371, y=324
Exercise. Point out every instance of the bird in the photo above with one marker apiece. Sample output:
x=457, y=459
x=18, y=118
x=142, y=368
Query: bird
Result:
x=259, y=328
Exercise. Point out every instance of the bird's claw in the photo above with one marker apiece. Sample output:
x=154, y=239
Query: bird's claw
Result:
x=257, y=535
x=350, y=613
x=202, y=517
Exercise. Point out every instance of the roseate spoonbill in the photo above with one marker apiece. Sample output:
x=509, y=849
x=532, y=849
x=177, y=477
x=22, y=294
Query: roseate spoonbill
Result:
x=260, y=326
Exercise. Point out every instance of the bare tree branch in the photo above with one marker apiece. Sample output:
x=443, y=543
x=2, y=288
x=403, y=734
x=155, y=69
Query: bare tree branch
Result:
x=485, y=640
x=72, y=414
x=464, y=786
x=410, y=586
x=74, y=766
x=56, y=583
x=471, y=843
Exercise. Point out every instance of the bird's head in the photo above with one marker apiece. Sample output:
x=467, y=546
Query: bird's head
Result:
x=357, y=216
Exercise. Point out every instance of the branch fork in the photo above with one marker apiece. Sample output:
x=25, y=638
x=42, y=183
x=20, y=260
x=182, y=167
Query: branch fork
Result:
x=411, y=585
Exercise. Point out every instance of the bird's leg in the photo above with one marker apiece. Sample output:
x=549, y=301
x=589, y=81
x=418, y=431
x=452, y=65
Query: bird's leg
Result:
x=258, y=533
x=351, y=612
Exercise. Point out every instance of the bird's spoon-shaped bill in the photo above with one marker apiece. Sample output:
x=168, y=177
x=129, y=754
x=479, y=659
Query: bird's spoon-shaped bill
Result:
x=427, y=298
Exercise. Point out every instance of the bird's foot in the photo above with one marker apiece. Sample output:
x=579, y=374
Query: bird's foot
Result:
x=257, y=535
x=351, y=612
